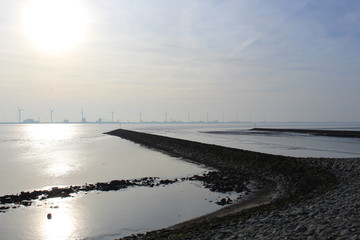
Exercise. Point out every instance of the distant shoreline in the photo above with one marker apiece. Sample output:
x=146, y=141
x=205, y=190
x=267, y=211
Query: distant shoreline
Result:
x=328, y=133
x=315, y=132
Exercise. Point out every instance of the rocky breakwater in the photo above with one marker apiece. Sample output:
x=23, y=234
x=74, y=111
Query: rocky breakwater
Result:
x=334, y=214
x=294, y=180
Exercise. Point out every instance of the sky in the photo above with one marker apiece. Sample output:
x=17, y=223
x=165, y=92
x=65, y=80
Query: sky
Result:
x=189, y=60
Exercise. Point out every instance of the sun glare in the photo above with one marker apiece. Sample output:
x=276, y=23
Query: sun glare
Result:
x=61, y=224
x=49, y=140
x=55, y=26
x=50, y=132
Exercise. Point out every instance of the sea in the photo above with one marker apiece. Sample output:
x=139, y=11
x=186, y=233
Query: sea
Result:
x=42, y=156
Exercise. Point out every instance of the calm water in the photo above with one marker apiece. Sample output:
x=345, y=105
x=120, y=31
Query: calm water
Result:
x=38, y=156
x=41, y=156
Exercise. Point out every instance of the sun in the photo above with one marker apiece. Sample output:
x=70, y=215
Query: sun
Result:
x=55, y=26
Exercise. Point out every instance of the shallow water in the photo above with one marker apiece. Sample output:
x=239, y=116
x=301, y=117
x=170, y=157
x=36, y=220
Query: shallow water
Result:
x=39, y=156
x=100, y=215
x=42, y=156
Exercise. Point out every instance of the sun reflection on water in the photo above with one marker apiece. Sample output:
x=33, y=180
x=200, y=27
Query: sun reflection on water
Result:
x=59, y=168
x=50, y=132
x=61, y=225
x=51, y=146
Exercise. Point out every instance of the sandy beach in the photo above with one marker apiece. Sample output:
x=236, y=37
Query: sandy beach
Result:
x=306, y=194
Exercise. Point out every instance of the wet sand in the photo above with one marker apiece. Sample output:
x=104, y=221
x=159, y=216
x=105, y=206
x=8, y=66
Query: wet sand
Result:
x=255, y=199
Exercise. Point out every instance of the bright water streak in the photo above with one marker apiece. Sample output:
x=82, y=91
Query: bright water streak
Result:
x=39, y=156
x=42, y=156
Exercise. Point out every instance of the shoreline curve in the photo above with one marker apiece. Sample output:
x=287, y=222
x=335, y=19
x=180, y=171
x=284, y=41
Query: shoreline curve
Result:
x=291, y=180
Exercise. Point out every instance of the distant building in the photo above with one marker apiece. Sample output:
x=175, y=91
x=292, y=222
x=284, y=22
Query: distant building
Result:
x=66, y=121
x=30, y=120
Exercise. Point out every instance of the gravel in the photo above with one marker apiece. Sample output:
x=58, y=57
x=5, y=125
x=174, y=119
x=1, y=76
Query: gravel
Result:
x=331, y=215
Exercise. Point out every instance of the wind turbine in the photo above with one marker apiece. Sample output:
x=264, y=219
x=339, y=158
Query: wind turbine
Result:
x=19, y=112
x=82, y=115
x=51, y=114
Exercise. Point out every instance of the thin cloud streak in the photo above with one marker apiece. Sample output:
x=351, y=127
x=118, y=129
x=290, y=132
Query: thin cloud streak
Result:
x=243, y=46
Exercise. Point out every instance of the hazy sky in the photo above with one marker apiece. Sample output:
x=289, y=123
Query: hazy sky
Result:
x=274, y=60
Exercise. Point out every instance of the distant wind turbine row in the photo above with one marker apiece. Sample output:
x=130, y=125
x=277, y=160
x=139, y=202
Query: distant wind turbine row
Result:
x=141, y=120
x=20, y=110
x=83, y=119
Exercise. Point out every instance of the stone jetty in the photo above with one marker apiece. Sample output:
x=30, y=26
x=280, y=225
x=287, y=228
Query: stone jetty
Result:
x=316, y=198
